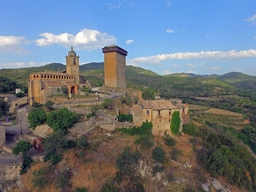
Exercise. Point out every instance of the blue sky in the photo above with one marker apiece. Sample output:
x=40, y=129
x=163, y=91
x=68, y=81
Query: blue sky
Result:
x=165, y=36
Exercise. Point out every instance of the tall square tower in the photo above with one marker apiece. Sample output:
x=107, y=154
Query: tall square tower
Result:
x=114, y=66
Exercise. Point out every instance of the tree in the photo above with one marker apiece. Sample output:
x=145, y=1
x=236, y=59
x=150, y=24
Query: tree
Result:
x=148, y=94
x=108, y=103
x=22, y=147
x=126, y=161
x=54, y=145
x=61, y=119
x=175, y=123
x=20, y=94
x=158, y=154
x=169, y=141
x=36, y=117
x=4, y=107
x=48, y=104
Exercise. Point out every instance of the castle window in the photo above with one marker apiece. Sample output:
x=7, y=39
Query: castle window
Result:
x=159, y=112
x=34, y=76
x=170, y=112
x=74, y=61
x=147, y=112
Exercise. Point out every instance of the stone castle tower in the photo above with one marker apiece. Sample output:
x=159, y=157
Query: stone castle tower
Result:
x=114, y=66
x=72, y=64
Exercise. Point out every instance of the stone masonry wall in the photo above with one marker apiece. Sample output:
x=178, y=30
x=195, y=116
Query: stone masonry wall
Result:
x=2, y=137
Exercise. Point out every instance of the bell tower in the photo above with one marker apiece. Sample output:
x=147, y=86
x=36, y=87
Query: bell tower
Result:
x=72, y=64
x=114, y=66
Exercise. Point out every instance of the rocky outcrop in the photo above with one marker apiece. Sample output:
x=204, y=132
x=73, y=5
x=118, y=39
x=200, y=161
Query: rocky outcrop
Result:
x=10, y=176
x=42, y=130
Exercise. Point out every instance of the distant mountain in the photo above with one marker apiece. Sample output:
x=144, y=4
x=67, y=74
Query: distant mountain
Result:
x=92, y=66
x=233, y=77
x=183, y=75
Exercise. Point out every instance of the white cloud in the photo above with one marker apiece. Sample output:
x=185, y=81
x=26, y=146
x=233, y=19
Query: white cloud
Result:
x=168, y=3
x=166, y=72
x=251, y=19
x=175, y=65
x=87, y=39
x=111, y=6
x=191, y=72
x=170, y=31
x=254, y=37
x=202, y=64
x=190, y=65
x=9, y=44
x=215, y=68
x=213, y=55
x=129, y=41
x=22, y=64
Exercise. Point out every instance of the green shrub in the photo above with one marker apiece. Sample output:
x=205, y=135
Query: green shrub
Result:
x=109, y=187
x=40, y=178
x=175, y=153
x=54, y=145
x=158, y=154
x=63, y=181
x=144, y=129
x=81, y=142
x=81, y=189
x=48, y=104
x=148, y=94
x=56, y=158
x=26, y=163
x=125, y=117
x=22, y=147
x=145, y=141
x=126, y=162
x=108, y=103
x=190, y=129
x=175, y=123
x=169, y=141
x=157, y=169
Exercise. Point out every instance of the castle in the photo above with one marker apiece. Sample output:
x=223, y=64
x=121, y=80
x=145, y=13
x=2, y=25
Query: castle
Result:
x=159, y=112
x=45, y=84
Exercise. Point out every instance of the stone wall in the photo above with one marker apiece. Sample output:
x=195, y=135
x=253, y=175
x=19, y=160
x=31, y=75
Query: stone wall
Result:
x=2, y=137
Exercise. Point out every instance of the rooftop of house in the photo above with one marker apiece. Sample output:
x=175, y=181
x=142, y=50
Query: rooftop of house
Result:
x=157, y=104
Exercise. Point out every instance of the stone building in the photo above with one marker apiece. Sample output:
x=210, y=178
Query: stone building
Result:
x=44, y=84
x=114, y=66
x=159, y=112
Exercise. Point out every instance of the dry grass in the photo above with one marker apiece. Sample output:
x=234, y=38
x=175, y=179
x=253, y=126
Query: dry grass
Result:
x=198, y=107
x=223, y=112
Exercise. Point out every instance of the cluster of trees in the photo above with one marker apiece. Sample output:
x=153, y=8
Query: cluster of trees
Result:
x=223, y=155
x=4, y=107
x=60, y=119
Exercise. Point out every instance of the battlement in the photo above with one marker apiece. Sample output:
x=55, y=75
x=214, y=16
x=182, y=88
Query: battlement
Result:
x=114, y=48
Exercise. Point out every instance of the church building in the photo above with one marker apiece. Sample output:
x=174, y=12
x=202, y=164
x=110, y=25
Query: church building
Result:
x=44, y=84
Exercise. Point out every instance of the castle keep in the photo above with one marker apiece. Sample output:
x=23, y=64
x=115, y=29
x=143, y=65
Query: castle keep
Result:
x=44, y=84
x=114, y=66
